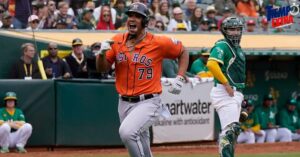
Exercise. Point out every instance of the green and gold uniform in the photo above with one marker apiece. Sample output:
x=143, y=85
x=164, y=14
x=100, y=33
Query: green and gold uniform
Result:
x=6, y=116
x=233, y=62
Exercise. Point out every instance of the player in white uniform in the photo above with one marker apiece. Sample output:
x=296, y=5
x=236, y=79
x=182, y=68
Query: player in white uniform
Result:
x=228, y=65
x=14, y=131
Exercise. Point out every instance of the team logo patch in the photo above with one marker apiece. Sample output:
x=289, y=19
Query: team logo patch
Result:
x=220, y=52
x=135, y=7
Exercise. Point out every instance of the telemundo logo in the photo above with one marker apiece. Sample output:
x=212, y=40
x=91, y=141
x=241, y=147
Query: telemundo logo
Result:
x=283, y=16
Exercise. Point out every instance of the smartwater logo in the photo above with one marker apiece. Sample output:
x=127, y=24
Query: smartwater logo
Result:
x=283, y=16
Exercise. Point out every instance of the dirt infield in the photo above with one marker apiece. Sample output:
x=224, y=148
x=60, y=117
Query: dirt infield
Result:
x=184, y=149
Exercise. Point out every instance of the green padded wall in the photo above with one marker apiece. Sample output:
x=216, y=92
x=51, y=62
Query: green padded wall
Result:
x=87, y=114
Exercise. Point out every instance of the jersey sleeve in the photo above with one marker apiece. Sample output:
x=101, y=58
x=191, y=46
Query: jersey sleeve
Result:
x=218, y=53
x=170, y=47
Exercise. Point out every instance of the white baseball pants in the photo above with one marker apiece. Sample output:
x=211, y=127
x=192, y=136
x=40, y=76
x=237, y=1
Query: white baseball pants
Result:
x=14, y=139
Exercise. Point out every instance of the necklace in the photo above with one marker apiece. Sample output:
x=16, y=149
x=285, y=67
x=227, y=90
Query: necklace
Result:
x=131, y=45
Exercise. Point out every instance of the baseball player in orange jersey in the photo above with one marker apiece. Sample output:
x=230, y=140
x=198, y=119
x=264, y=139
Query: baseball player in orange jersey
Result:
x=138, y=57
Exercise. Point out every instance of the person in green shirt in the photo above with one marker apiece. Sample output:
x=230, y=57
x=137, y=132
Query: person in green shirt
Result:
x=87, y=21
x=199, y=65
x=14, y=131
x=251, y=127
x=289, y=118
x=267, y=119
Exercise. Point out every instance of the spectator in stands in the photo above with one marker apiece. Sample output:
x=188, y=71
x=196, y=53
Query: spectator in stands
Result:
x=7, y=21
x=14, y=130
x=33, y=22
x=154, y=7
x=121, y=17
x=289, y=118
x=87, y=20
x=266, y=114
x=97, y=12
x=36, y=6
x=54, y=66
x=20, y=10
x=264, y=25
x=50, y=19
x=203, y=27
x=199, y=65
x=212, y=27
x=178, y=18
x=61, y=23
x=170, y=69
x=89, y=5
x=159, y=26
x=26, y=68
x=2, y=11
x=77, y=61
x=251, y=25
x=151, y=23
x=163, y=14
x=105, y=21
x=191, y=6
x=246, y=8
x=225, y=13
x=196, y=18
x=220, y=4
x=211, y=13
x=64, y=16
x=251, y=131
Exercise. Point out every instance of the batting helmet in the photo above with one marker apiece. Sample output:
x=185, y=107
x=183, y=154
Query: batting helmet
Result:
x=10, y=96
x=232, y=22
x=141, y=9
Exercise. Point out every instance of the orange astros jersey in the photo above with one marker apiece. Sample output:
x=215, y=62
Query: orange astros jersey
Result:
x=139, y=71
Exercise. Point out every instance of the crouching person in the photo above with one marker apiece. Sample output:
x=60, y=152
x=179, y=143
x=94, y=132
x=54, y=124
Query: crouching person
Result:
x=14, y=131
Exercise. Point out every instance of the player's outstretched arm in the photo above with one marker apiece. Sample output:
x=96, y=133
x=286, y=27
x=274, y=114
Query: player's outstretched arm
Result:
x=183, y=62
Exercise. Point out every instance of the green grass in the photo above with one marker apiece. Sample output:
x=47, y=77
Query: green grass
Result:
x=197, y=155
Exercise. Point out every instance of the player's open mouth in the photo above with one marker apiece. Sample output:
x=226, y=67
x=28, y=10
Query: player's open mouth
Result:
x=132, y=26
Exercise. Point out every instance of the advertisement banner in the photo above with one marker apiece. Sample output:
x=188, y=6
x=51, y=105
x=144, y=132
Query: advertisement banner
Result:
x=192, y=114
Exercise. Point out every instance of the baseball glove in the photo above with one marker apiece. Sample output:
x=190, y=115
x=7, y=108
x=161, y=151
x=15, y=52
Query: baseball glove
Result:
x=244, y=113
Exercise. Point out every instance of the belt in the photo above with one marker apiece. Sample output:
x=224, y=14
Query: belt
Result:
x=135, y=99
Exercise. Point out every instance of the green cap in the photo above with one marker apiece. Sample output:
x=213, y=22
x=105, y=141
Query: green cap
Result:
x=250, y=102
x=268, y=97
x=10, y=96
x=292, y=102
x=87, y=10
x=204, y=51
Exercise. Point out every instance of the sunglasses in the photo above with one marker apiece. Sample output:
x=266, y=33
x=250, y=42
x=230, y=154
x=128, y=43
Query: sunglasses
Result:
x=35, y=21
x=106, y=15
x=159, y=26
x=52, y=48
x=97, y=47
x=177, y=13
